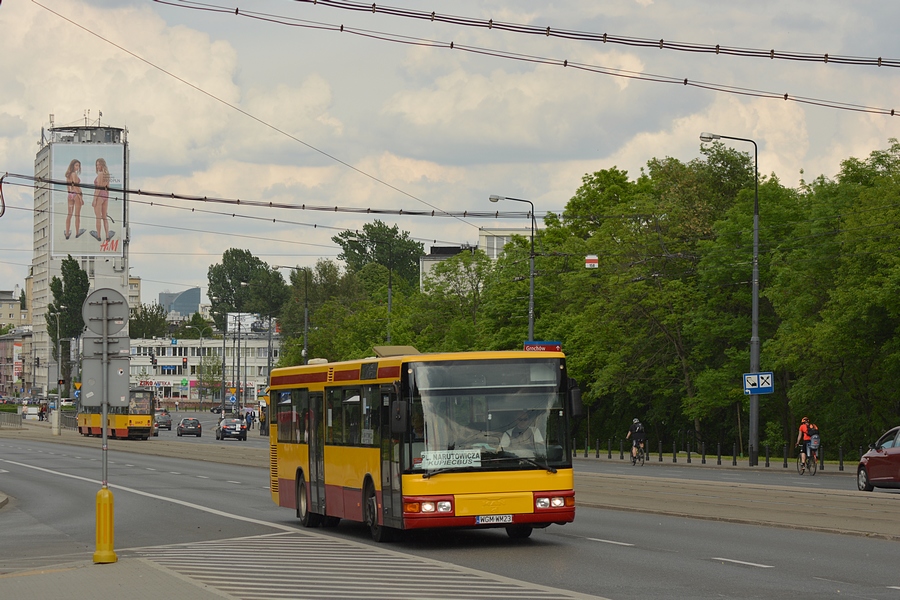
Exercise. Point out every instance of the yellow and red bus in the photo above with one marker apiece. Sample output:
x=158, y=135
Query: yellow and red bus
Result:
x=134, y=421
x=412, y=441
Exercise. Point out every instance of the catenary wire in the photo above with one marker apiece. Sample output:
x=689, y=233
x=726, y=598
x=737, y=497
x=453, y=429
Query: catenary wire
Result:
x=604, y=38
x=565, y=63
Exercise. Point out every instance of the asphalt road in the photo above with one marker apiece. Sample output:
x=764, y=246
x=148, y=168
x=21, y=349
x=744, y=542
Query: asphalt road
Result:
x=827, y=502
x=747, y=531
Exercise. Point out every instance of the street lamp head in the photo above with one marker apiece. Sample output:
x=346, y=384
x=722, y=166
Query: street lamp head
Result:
x=495, y=198
x=708, y=137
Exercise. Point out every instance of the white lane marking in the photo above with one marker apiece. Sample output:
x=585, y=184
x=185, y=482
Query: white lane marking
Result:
x=610, y=542
x=150, y=468
x=3, y=471
x=201, y=476
x=206, y=509
x=893, y=587
x=743, y=562
x=237, y=482
x=174, y=473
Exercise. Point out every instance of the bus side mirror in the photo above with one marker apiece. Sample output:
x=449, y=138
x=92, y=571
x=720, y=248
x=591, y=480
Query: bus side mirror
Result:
x=399, y=417
x=576, y=407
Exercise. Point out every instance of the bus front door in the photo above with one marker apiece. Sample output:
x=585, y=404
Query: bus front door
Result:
x=391, y=493
x=316, y=454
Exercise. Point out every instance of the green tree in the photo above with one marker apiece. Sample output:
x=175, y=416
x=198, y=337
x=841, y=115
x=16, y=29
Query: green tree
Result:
x=148, y=321
x=229, y=283
x=384, y=245
x=63, y=316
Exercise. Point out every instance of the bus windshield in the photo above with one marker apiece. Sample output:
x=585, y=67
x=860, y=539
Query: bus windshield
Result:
x=473, y=415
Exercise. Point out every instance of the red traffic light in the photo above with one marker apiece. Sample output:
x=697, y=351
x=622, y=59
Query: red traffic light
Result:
x=184, y=361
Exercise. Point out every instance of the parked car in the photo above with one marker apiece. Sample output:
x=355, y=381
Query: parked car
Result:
x=231, y=428
x=188, y=426
x=880, y=466
x=164, y=419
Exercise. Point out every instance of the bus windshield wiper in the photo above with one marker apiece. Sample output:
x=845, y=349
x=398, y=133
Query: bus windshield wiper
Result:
x=531, y=461
x=428, y=474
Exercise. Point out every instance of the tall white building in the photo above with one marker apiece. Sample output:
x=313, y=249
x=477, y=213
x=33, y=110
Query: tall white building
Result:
x=80, y=209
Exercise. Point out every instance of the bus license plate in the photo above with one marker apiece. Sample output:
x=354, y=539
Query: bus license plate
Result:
x=493, y=519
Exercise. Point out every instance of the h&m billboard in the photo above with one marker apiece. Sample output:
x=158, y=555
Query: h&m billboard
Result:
x=87, y=221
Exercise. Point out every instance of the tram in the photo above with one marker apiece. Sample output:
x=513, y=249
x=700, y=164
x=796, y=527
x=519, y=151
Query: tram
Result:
x=133, y=422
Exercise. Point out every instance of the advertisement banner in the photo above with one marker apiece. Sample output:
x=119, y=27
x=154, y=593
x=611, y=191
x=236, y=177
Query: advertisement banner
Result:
x=86, y=221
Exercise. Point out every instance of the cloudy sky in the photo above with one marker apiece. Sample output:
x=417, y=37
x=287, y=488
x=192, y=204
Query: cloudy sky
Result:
x=289, y=109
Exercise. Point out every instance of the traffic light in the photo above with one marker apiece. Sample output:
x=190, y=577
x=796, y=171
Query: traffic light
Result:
x=153, y=359
x=184, y=362
x=61, y=381
x=37, y=361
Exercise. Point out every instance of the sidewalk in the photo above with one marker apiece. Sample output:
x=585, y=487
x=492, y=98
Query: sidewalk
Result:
x=132, y=578
x=129, y=577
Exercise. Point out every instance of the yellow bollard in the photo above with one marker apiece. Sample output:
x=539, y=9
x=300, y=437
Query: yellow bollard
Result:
x=105, y=552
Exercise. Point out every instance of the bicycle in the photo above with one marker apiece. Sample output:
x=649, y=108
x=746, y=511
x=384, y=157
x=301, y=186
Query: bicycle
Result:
x=638, y=457
x=810, y=465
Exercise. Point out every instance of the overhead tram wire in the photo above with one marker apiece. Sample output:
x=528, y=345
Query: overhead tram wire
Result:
x=565, y=63
x=248, y=114
x=268, y=205
x=604, y=38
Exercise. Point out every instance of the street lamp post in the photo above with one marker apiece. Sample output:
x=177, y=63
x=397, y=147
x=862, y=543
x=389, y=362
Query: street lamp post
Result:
x=57, y=411
x=200, y=332
x=754, y=321
x=531, y=267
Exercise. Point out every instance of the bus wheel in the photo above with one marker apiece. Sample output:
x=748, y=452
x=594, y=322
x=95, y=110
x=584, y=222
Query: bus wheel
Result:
x=380, y=533
x=519, y=532
x=307, y=519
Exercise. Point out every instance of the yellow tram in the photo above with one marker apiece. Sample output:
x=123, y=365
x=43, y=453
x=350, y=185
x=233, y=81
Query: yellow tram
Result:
x=134, y=421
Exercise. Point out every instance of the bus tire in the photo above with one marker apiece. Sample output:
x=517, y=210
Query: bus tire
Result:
x=307, y=519
x=519, y=532
x=380, y=533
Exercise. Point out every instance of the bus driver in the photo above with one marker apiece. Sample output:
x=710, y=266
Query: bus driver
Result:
x=524, y=434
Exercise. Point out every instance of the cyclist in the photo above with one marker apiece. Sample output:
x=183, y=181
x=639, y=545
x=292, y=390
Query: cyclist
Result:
x=803, y=437
x=637, y=436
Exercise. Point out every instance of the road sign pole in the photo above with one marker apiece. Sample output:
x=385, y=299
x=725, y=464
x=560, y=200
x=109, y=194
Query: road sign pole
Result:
x=104, y=552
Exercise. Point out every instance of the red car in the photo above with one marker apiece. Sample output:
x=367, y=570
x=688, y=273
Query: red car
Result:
x=880, y=466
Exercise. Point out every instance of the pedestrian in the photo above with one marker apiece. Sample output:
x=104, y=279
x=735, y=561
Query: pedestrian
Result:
x=176, y=406
x=250, y=419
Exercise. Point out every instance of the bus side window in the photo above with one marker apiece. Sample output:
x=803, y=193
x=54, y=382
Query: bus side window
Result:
x=351, y=415
x=371, y=416
x=334, y=432
x=300, y=402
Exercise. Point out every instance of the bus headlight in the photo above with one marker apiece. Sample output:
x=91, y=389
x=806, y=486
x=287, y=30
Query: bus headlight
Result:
x=428, y=507
x=553, y=502
x=445, y=506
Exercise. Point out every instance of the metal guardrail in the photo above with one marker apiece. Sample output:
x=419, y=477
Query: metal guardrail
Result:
x=11, y=420
x=69, y=421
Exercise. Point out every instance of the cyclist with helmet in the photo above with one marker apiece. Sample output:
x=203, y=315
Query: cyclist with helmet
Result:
x=637, y=436
x=803, y=437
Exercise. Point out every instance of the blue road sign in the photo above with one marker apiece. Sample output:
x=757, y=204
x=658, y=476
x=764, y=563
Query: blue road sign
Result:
x=78, y=393
x=759, y=383
x=233, y=399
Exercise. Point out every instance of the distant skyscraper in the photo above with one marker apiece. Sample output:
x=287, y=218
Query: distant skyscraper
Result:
x=183, y=304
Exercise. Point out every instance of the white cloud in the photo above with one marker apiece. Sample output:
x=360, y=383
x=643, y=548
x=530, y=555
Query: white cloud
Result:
x=445, y=128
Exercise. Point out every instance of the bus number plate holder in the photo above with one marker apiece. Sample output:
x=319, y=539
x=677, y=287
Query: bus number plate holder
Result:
x=493, y=519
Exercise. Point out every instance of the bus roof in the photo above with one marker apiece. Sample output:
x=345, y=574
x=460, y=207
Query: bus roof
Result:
x=387, y=367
